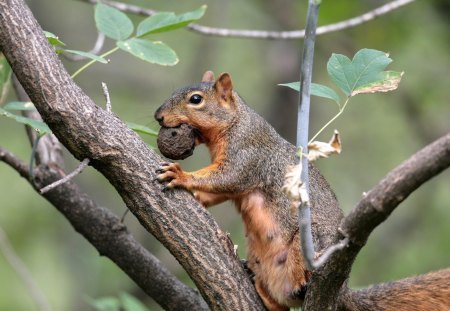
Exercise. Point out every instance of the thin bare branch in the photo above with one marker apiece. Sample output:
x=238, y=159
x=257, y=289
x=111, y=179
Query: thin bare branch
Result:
x=108, y=99
x=304, y=210
x=329, y=251
x=266, y=34
x=24, y=274
x=68, y=177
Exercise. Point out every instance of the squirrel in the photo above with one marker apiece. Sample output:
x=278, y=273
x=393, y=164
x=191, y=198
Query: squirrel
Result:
x=249, y=160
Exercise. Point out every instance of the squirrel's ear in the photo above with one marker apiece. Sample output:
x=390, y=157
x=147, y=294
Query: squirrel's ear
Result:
x=208, y=76
x=224, y=87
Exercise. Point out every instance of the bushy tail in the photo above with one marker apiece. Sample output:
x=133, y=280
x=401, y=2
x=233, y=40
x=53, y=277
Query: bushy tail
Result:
x=428, y=292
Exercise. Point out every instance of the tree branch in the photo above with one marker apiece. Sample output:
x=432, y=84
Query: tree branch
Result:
x=304, y=209
x=328, y=281
x=266, y=34
x=109, y=236
x=174, y=218
x=393, y=189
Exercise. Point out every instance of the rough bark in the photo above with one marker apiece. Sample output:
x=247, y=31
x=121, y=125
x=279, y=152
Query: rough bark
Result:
x=88, y=131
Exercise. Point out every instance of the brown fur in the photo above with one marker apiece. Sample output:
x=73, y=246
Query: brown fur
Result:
x=428, y=292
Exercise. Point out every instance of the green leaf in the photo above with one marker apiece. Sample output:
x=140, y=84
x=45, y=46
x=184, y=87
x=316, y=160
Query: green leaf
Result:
x=316, y=90
x=22, y=106
x=89, y=55
x=53, y=39
x=5, y=77
x=138, y=128
x=366, y=67
x=38, y=126
x=292, y=85
x=105, y=304
x=166, y=21
x=130, y=303
x=112, y=22
x=325, y=92
x=152, y=52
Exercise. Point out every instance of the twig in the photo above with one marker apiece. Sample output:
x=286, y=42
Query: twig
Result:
x=108, y=99
x=95, y=50
x=265, y=34
x=329, y=251
x=307, y=244
x=122, y=219
x=19, y=267
x=68, y=177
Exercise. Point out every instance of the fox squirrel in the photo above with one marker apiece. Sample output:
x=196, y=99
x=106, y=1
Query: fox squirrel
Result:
x=249, y=162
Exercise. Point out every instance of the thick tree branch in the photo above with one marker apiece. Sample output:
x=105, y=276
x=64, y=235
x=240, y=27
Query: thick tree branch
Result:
x=109, y=236
x=266, y=34
x=328, y=282
x=88, y=131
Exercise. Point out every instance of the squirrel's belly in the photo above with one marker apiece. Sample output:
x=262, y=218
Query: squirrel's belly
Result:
x=276, y=263
x=279, y=269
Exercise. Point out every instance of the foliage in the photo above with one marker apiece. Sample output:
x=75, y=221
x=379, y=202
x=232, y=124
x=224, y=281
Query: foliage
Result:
x=117, y=26
x=38, y=126
x=58, y=45
x=364, y=74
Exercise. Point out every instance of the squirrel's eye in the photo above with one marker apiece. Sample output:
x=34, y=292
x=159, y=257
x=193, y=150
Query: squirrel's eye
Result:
x=195, y=99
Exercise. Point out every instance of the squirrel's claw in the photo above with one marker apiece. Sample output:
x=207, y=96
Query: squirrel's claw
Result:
x=171, y=172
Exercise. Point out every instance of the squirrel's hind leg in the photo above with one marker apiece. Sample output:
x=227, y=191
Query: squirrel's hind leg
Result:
x=269, y=302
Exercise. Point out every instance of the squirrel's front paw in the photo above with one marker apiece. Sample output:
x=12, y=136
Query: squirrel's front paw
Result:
x=172, y=172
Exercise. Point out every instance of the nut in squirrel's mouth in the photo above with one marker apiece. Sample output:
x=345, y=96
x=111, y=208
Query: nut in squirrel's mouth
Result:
x=197, y=134
x=178, y=142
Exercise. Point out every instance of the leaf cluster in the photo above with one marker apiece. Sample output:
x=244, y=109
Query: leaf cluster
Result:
x=118, y=26
x=364, y=74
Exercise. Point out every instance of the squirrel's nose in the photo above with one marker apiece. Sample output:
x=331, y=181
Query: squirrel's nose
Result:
x=159, y=117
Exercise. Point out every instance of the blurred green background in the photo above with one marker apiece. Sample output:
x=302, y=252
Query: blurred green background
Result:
x=378, y=132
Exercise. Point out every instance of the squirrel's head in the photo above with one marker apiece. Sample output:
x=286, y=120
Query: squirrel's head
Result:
x=208, y=106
